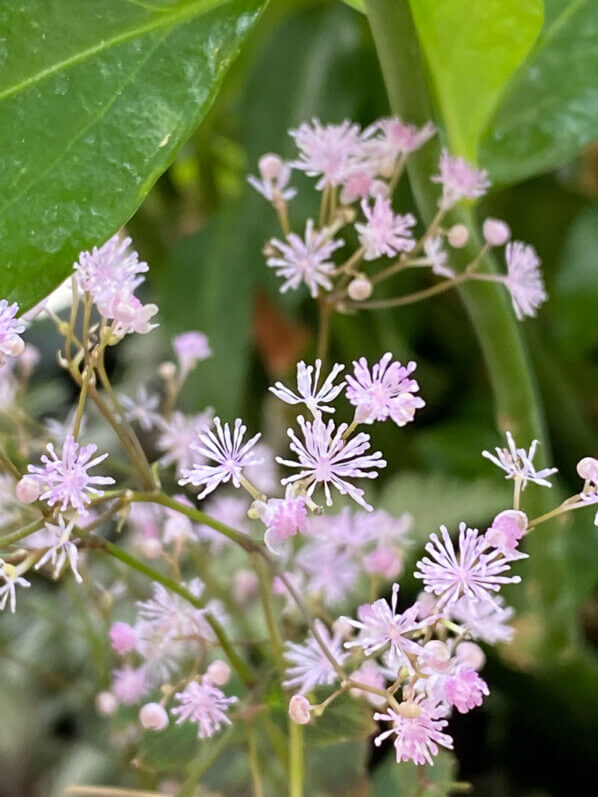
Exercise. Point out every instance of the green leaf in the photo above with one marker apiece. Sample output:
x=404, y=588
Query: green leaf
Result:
x=347, y=719
x=407, y=780
x=552, y=110
x=472, y=49
x=168, y=749
x=95, y=104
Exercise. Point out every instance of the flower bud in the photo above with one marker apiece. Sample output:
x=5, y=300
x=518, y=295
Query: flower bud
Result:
x=27, y=490
x=300, y=709
x=471, y=654
x=588, y=468
x=343, y=628
x=245, y=586
x=151, y=547
x=106, y=704
x=218, y=672
x=270, y=166
x=167, y=370
x=437, y=655
x=14, y=346
x=153, y=717
x=122, y=638
x=458, y=235
x=360, y=288
x=496, y=232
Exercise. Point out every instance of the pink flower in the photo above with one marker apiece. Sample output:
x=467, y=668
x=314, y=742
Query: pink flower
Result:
x=204, y=704
x=394, y=138
x=66, y=479
x=484, y=620
x=179, y=433
x=308, y=392
x=142, y=408
x=518, y=463
x=310, y=667
x=524, y=279
x=465, y=690
x=275, y=174
x=507, y=529
x=384, y=233
x=11, y=344
x=153, y=717
x=122, y=638
x=359, y=182
x=326, y=458
x=305, y=260
x=384, y=561
x=385, y=391
x=191, y=348
x=110, y=270
x=227, y=450
x=379, y=625
x=417, y=730
x=470, y=571
x=130, y=685
x=331, y=572
x=129, y=314
x=284, y=517
x=327, y=150
x=369, y=674
x=300, y=709
x=437, y=256
x=459, y=180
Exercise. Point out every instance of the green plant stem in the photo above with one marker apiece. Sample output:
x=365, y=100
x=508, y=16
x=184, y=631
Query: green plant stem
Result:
x=265, y=584
x=295, y=759
x=20, y=534
x=258, y=791
x=9, y=465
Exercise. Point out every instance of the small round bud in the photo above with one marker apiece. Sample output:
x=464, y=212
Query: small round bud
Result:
x=496, y=232
x=14, y=347
x=300, y=709
x=588, y=468
x=218, y=672
x=270, y=166
x=153, y=717
x=167, y=371
x=409, y=710
x=343, y=628
x=122, y=638
x=106, y=704
x=426, y=604
x=458, y=235
x=437, y=655
x=471, y=654
x=29, y=359
x=245, y=586
x=151, y=547
x=27, y=490
x=360, y=288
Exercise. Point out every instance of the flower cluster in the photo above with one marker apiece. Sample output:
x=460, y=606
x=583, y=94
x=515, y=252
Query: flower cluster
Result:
x=357, y=172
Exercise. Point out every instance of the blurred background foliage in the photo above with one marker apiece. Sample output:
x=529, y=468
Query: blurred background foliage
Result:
x=202, y=230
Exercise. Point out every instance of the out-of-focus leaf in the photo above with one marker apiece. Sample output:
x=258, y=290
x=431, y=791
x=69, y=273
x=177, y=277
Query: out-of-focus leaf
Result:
x=338, y=770
x=174, y=747
x=552, y=109
x=435, y=498
x=95, y=103
x=472, y=50
x=345, y=720
x=407, y=780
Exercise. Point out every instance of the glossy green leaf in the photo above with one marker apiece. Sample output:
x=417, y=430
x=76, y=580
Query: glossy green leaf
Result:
x=95, y=102
x=407, y=780
x=472, y=49
x=552, y=109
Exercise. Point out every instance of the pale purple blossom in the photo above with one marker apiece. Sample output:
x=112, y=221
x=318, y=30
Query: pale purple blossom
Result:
x=122, y=638
x=305, y=260
x=331, y=573
x=484, y=620
x=315, y=397
x=380, y=625
x=327, y=151
x=437, y=256
x=190, y=348
x=61, y=547
x=10, y=579
x=275, y=177
x=385, y=561
x=130, y=685
x=325, y=458
x=11, y=327
x=110, y=270
x=65, y=479
x=129, y=314
x=227, y=450
x=359, y=182
x=524, y=279
x=204, y=704
x=141, y=409
x=283, y=517
x=518, y=463
x=418, y=730
x=389, y=138
x=309, y=666
x=465, y=690
x=173, y=615
x=475, y=569
x=506, y=532
x=386, y=390
x=460, y=180
x=384, y=232
x=179, y=433
x=369, y=674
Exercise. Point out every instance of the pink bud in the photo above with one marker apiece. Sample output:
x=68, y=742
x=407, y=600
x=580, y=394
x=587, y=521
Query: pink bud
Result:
x=270, y=166
x=588, y=468
x=218, y=672
x=245, y=587
x=153, y=717
x=300, y=709
x=496, y=232
x=385, y=561
x=151, y=547
x=14, y=346
x=122, y=637
x=106, y=704
x=27, y=490
x=436, y=655
x=458, y=235
x=471, y=654
x=360, y=288
x=507, y=529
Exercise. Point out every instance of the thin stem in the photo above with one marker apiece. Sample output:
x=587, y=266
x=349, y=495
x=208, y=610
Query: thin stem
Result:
x=20, y=534
x=411, y=298
x=10, y=465
x=109, y=791
x=324, y=330
x=265, y=584
x=295, y=759
x=85, y=382
x=254, y=762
